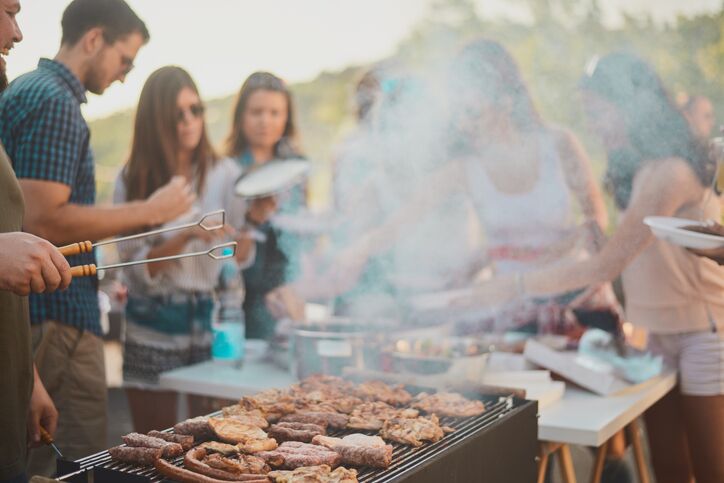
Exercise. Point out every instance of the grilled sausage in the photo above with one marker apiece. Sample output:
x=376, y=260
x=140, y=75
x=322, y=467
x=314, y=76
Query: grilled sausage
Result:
x=135, y=456
x=185, y=440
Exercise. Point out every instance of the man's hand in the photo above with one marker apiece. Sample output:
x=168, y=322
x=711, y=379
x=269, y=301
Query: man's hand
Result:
x=31, y=264
x=42, y=412
x=170, y=201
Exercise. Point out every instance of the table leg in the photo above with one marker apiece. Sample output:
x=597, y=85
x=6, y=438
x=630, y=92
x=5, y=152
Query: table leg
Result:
x=635, y=436
x=598, y=465
x=545, y=450
x=564, y=457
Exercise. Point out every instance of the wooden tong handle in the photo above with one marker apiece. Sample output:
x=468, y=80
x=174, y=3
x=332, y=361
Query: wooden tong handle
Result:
x=83, y=270
x=76, y=248
x=45, y=436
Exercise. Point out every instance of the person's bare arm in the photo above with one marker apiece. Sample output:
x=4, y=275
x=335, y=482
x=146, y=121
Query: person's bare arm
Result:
x=50, y=215
x=661, y=189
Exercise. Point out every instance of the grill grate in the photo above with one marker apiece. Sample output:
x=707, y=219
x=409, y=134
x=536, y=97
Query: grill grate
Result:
x=405, y=459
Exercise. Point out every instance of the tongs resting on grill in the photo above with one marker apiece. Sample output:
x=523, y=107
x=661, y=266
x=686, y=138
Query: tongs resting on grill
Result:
x=208, y=222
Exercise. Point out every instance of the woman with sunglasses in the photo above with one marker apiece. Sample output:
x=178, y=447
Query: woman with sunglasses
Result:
x=170, y=304
x=656, y=167
x=263, y=129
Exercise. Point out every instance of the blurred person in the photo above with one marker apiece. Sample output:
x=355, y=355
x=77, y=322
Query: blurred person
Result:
x=699, y=112
x=47, y=140
x=170, y=304
x=656, y=167
x=263, y=129
x=27, y=264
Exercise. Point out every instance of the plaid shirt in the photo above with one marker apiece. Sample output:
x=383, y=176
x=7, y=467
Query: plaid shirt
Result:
x=47, y=139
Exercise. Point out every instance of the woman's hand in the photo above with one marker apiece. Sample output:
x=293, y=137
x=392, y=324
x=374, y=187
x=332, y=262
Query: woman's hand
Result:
x=244, y=245
x=261, y=209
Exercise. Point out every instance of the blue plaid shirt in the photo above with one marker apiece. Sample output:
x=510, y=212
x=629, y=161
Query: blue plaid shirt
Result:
x=47, y=139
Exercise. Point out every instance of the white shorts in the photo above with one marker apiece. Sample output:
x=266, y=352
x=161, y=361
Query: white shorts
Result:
x=697, y=356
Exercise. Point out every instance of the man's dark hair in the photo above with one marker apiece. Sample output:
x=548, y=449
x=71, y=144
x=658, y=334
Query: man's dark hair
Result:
x=115, y=17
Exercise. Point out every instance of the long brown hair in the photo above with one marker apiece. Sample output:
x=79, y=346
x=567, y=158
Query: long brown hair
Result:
x=236, y=143
x=154, y=148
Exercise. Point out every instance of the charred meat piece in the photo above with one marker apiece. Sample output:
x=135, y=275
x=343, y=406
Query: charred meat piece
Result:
x=293, y=454
x=288, y=431
x=707, y=229
x=254, y=417
x=176, y=473
x=448, y=404
x=359, y=449
x=170, y=450
x=332, y=419
x=272, y=403
x=197, y=427
x=250, y=439
x=412, y=431
x=324, y=383
x=379, y=391
x=185, y=440
x=222, y=468
x=135, y=455
x=315, y=474
x=221, y=448
x=242, y=464
x=371, y=416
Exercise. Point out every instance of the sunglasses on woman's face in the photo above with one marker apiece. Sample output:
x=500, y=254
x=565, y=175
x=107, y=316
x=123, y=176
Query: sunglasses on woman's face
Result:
x=195, y=110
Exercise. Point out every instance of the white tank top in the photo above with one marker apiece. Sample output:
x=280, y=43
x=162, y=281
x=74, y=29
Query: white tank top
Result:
x=520, y=226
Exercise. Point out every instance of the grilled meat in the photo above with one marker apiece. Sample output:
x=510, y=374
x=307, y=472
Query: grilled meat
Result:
x=293, y=454
x=197, y=427
x=185, y=440
x=183, y=475
x=243, y=464
x=135, y=455
x=288, y=431
x=371, y=416
x=412, y=431
x=315, y=474
x=254, y=417
x=170, y=450
x=250, y=439
x=221, y=448
x=359, y=449
x=273, y=404
x=321, y=418
x=379, y=391
x=448, y=404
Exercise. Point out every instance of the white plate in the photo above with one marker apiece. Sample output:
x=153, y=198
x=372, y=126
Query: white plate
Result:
x=272, y=177
x=670, y=229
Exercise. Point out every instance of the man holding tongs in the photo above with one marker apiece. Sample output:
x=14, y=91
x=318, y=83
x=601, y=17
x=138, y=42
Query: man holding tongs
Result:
x=47, y=140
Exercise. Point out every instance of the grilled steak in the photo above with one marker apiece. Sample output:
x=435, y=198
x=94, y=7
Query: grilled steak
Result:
x=359, y=449
x=251, y=439
x=221, y=448
x=324, y=419
x=288, y=431
x=412, y=431
x=253, y=417
x=293, y=454
x=371, y=416
x=315, y=474
x=379, y=391
x=448, y=404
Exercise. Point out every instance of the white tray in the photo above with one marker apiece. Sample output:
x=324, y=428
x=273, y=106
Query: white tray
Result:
x=272, y=178
x=669, y=229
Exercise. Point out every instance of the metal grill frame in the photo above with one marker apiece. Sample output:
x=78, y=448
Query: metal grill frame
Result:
x=499, y=445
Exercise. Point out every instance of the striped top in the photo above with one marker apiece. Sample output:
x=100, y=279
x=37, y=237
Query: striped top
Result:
x=47, y=139
x=195, y=274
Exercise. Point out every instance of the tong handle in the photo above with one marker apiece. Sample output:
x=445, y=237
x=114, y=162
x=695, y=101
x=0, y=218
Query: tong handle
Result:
x=83, y=270
x=76, y=248
x=45, y=436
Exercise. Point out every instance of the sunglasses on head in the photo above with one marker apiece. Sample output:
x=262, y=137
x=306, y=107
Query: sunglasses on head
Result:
x=196, y=111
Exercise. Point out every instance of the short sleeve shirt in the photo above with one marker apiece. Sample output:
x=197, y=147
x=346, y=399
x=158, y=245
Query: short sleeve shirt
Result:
x=47, y=139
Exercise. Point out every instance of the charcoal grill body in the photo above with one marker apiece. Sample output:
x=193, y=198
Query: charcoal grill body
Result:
x=499, y=446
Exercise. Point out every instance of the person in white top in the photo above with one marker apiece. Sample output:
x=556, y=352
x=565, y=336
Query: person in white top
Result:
x=170, y=304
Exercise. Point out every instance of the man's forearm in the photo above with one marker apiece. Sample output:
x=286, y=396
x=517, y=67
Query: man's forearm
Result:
x=73, y=222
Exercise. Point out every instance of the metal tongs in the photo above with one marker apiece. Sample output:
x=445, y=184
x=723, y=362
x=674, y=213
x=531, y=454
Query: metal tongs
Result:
x=218, y=252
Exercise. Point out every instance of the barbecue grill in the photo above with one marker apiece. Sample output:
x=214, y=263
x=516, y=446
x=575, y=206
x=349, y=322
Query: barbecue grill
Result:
x=500, y=445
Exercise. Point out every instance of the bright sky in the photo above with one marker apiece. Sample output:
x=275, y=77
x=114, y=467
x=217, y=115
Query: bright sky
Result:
x=222, y=41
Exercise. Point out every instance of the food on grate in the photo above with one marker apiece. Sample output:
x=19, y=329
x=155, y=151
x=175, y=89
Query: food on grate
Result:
x=185, y=440
x=221, y=448
x=289, y=431
x=379, y=391
x=321, y=418
x=293, y=454
x=412, y=431
x=321, y=393
x=135, y=455
x=324, y=383
x=197, y=427
x=250, y=439
x=315, y=474
x=448, y=404
x=371, y=416
x=183, y=475
x=170, y=450
x=272, y=403
x=253, y=417
x=223, y=468
x=359, y=449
